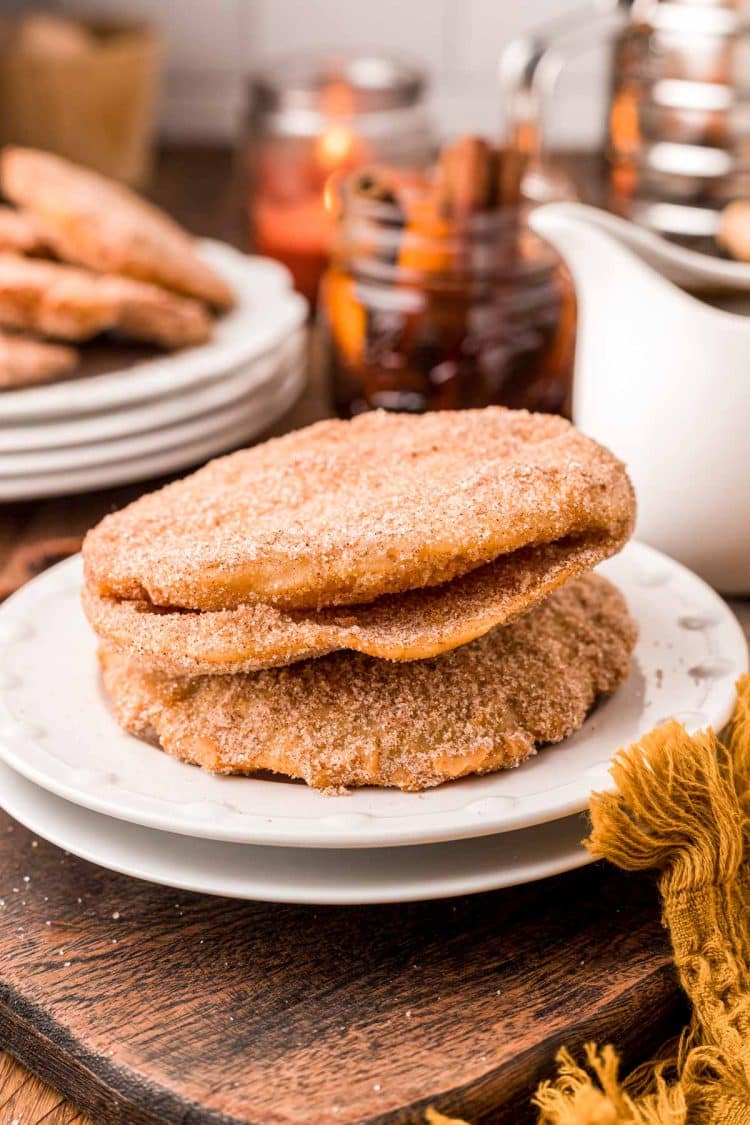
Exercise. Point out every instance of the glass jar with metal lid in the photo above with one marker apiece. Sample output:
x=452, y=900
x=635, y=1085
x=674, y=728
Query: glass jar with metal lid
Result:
x=312, y=119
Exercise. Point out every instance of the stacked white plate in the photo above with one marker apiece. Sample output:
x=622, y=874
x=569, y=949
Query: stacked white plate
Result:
x=167, y=413
x=72, y=776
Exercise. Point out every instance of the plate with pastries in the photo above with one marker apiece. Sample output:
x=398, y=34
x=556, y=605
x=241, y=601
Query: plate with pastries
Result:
x=116, y=323
x=362, y=638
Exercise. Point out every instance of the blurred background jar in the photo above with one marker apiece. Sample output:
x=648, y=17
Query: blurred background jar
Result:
x=87, y=90
x=677, y=130
x=313, y=118
x=428, y=305
x=679, y=123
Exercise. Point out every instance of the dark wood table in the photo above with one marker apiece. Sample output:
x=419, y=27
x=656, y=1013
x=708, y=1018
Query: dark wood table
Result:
x=184, y=1008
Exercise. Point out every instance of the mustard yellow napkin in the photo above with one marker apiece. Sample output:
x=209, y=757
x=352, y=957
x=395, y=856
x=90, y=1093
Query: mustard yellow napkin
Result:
x=682, y=806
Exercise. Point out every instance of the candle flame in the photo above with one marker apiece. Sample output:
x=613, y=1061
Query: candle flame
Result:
x=334, y=146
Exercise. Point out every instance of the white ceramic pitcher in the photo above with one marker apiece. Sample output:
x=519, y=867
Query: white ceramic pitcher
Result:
x=663, y=379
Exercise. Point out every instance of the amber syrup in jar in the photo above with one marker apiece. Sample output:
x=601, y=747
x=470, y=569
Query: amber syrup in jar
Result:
x=439, y=296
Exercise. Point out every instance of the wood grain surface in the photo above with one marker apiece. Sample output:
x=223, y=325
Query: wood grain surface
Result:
x=143, y=1005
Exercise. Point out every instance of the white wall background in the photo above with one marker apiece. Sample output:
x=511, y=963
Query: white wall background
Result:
x=212, y=45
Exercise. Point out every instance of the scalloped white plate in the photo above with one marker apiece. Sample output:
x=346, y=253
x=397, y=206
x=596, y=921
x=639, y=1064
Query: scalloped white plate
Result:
x=238, y=427
x=153, y=414
x=267, y=311
x=133, y=446
x=56, y=729
x=315, y=876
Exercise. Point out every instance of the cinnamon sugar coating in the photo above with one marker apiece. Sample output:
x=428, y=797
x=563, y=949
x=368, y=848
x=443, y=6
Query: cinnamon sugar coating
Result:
x=68, y=303
x=342, y=513
x=350, y=720
x=88, y=219
x=410, y=626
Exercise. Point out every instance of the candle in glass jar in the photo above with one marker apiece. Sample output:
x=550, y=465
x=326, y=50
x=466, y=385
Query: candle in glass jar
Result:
x=315, y=120
x=297, y=226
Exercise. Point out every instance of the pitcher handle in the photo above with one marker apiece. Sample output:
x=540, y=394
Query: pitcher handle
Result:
x=530, y=66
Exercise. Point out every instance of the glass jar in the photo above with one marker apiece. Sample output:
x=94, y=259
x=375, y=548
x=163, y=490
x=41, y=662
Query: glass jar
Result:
x=312, y=120
x=418, y=313
x=678, y=123
x=678, y=120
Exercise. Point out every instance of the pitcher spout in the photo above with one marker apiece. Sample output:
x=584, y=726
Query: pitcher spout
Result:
x=591, y=244
x=574, y=229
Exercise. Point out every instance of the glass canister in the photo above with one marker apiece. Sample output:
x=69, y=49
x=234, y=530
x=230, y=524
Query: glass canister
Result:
x=679, y=124
x=678, y=121
x=438, y=297
x=313, y=119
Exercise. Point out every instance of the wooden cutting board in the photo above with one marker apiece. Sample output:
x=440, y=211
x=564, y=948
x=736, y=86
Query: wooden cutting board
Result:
x=145, y=1005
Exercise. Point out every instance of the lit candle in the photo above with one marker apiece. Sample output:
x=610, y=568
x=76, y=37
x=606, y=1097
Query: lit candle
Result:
x=316, y=120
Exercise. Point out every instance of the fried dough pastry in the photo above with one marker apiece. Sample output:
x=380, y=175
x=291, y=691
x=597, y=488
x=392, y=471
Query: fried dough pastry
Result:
x=152, y=314
x=24, y=363
x=95, y=222
x=19, y=232
x=342, y=513
x=349, y=720
x=68, y=303
x=409, y=626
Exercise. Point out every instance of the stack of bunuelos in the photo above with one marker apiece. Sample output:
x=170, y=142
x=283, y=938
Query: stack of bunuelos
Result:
x=392, y=601
x=81, y=255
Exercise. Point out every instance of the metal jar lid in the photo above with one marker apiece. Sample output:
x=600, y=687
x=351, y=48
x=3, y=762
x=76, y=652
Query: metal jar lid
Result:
x=298, y=93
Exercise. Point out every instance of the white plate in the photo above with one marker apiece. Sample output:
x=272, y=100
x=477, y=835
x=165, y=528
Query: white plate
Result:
x=56, y=729
x=264, y=413
x=312, y=876
x=136, y=445
x=48, y=433
x=267, y=311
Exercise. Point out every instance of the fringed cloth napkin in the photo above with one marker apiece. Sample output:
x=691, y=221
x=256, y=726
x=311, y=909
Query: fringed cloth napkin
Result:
x=682, y=806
